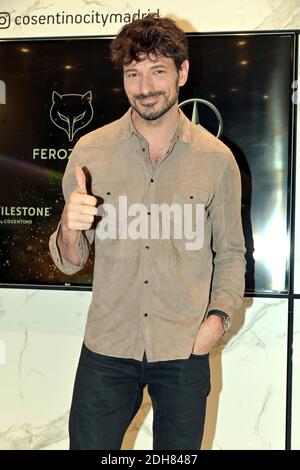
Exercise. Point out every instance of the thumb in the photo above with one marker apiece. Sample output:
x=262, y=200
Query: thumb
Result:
x=80, y=179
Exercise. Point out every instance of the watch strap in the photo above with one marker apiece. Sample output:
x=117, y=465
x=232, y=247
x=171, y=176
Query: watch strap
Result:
x=219, y=313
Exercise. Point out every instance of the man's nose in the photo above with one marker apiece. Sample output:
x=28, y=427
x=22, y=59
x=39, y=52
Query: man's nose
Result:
x=146, y=84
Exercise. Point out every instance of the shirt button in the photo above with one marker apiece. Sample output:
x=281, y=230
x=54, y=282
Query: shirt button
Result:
x=146, y=282
x=152, y=180
x=148, y=213
x=143, y=149
x=147, y=246
x=145, y=314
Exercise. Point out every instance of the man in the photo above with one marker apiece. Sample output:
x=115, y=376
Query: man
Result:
x=158, y=305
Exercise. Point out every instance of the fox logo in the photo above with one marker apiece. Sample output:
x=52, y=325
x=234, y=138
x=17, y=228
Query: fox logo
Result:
x=71, y=112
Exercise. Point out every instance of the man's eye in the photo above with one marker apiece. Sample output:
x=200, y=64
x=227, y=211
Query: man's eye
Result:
x=132, y=75
x=159, y=71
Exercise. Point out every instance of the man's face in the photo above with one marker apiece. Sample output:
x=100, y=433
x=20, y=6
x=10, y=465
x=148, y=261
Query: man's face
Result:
x=152, y=85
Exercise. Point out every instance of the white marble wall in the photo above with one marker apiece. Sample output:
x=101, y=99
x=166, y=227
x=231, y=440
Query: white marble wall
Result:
x=41, y=331
x=246, y=407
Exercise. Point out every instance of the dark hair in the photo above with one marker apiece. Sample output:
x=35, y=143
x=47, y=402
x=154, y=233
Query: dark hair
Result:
x=149, y=35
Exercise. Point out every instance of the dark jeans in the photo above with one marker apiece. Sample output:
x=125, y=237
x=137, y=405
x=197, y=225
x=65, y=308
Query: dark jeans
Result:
x=108, y=392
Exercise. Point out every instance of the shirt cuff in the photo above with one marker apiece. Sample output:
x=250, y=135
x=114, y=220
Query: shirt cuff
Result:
x=64, y=265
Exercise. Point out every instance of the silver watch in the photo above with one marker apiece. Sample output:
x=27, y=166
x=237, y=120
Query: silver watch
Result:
x=225, y=318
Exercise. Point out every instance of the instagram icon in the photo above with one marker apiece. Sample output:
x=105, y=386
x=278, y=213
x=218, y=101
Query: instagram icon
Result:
x=4, y=20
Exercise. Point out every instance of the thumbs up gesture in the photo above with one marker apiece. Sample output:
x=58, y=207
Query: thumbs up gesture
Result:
x=80, y=180
x=80, y=211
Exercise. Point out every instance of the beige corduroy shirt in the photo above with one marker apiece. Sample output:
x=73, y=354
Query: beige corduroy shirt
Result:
x=151, y=294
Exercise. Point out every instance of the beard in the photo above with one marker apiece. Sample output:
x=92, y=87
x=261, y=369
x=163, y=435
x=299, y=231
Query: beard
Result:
x=149, y=115
x=153, y=115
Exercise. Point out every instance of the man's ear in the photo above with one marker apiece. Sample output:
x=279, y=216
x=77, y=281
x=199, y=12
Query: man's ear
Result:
x=183, y=72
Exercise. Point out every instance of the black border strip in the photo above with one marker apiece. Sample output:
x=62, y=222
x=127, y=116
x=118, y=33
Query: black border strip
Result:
x=250, y=32
x=292, y=296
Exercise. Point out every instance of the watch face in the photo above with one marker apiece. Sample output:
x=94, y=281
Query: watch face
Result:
x=226, y=323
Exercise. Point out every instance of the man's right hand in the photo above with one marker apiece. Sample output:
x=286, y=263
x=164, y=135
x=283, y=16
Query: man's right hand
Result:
x=78, y=214
x=80, y=211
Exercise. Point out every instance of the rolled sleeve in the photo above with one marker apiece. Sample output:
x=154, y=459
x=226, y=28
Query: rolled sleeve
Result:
x=64, y=265
x=228, y=283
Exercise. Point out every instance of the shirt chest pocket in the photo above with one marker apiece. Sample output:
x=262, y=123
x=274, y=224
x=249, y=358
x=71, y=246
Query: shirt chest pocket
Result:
x=189, y=197
x=111, y=197
x=188, y=217
x=188, y=192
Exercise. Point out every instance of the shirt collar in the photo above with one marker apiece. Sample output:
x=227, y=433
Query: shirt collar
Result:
x=184, y=128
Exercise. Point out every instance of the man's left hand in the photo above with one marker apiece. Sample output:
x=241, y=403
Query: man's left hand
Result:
x=209, y=333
